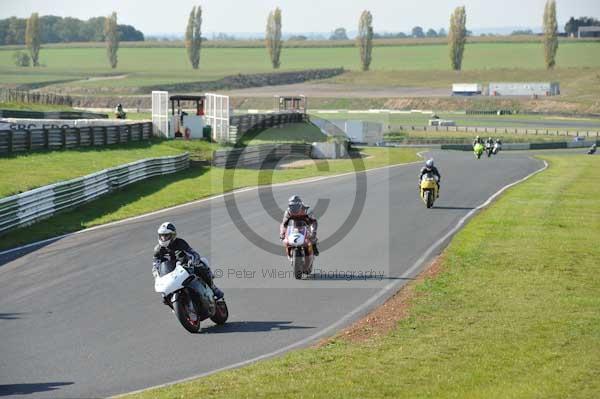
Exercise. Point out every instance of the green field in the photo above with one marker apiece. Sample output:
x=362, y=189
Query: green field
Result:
x=494, y=323
x=192, y=184
x=152, y=66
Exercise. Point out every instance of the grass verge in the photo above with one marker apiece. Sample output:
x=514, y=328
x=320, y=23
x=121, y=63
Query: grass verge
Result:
x=36, y=169
x=192, y=184
x=513, y=313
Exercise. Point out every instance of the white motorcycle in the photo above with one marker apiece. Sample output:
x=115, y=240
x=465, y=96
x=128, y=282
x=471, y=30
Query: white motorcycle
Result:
x=190, y=297
x=497, y=148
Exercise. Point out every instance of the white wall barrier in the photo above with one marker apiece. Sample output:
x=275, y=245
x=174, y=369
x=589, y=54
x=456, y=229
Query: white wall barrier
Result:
x=28, y=207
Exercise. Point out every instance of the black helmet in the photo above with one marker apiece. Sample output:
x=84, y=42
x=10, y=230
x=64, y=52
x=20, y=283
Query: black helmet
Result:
x=166, y=234
x=295, y=204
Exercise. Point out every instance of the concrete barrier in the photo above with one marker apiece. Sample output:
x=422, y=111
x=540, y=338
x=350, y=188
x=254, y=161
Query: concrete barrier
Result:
x=333, y=150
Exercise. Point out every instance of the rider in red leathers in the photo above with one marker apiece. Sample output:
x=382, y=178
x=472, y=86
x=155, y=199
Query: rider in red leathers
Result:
x=298, y=211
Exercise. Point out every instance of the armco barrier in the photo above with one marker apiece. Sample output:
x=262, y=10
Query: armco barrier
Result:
x=525, y=146
x=31, y=206
x=498, y=130
x=63, y=138
x=256, y=155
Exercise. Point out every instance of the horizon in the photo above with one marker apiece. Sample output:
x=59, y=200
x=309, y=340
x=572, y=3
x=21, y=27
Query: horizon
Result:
x=388, y=17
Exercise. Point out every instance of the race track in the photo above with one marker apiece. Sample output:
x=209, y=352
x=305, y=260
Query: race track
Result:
x=79, y=318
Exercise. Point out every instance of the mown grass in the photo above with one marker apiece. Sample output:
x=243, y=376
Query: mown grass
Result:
x=36, y=169
x=291, y=133
x=155, y=66
x=512, y=314
x=192, y=184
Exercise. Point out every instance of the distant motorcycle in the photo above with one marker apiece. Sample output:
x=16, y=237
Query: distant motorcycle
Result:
x=190, y=297
x=429, y=189
x=489, y=149
x=298, y=248
x=478, y=150
x=497, y=148
x=592, y=150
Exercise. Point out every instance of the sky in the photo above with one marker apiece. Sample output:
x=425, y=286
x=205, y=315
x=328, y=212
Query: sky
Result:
x=231, y=16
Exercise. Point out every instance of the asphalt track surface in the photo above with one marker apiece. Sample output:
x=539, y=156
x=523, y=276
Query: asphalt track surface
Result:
x=79, y=318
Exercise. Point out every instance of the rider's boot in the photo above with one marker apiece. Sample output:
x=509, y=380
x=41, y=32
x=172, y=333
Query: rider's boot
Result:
x=206, y=275
x=315, y=249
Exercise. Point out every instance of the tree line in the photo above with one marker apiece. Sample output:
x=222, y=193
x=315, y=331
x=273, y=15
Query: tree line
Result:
x=457, y=37
x=55, y=29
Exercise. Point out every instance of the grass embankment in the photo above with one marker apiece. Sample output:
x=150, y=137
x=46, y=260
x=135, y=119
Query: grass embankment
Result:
x=513, y=313
x=291, y=133
x=36, y=169
x=192, y=184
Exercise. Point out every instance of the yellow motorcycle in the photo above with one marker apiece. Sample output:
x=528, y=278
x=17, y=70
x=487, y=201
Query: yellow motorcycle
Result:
x=478, y=150
x=429, y=189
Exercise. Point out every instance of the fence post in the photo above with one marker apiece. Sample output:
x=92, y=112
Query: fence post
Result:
x=64, y=138
x=10, y=141
x=128, y=128
x=105, y=131
x=46, y=139
x=78, y=137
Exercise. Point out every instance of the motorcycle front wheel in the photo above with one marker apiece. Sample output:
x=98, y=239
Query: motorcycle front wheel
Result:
x=221, y=313
x=298, y=265
x=429, y=198
x=186, y=314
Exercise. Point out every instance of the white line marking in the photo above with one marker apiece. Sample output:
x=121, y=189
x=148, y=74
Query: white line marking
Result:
x=363, y=307
x=237, y=191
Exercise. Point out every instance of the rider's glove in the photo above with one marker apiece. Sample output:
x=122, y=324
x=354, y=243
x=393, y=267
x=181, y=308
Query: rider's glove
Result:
x=190, y=263
x=281, y=236
x=155, y=271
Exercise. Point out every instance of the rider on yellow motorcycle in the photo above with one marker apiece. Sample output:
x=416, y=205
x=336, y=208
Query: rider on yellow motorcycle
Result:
x=430, y=168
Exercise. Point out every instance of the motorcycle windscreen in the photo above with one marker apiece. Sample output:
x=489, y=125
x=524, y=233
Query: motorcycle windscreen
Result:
x=165, y=268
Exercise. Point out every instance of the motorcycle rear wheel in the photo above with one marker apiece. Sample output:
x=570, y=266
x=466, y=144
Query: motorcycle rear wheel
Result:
x=181, y=308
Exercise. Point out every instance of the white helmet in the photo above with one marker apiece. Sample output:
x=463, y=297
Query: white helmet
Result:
x=166, y=234
x=429, y=164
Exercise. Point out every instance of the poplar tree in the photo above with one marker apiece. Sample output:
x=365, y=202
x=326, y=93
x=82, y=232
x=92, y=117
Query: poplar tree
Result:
x=32, y=38
x=365, y=39
x=111, y=35
x=273, y=37
x=457, y=37
x=550, y=34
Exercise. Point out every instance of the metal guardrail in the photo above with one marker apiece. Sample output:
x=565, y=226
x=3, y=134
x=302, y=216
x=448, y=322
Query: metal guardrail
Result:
x=498, y=130
x=256, y=155
x=28, y=207
x=526, y=146
x=72, y=137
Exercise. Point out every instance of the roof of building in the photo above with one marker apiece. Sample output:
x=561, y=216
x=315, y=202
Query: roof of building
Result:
x=186, y=98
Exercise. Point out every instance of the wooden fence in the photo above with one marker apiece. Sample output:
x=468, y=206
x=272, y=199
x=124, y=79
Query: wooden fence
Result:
x=20, y=96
